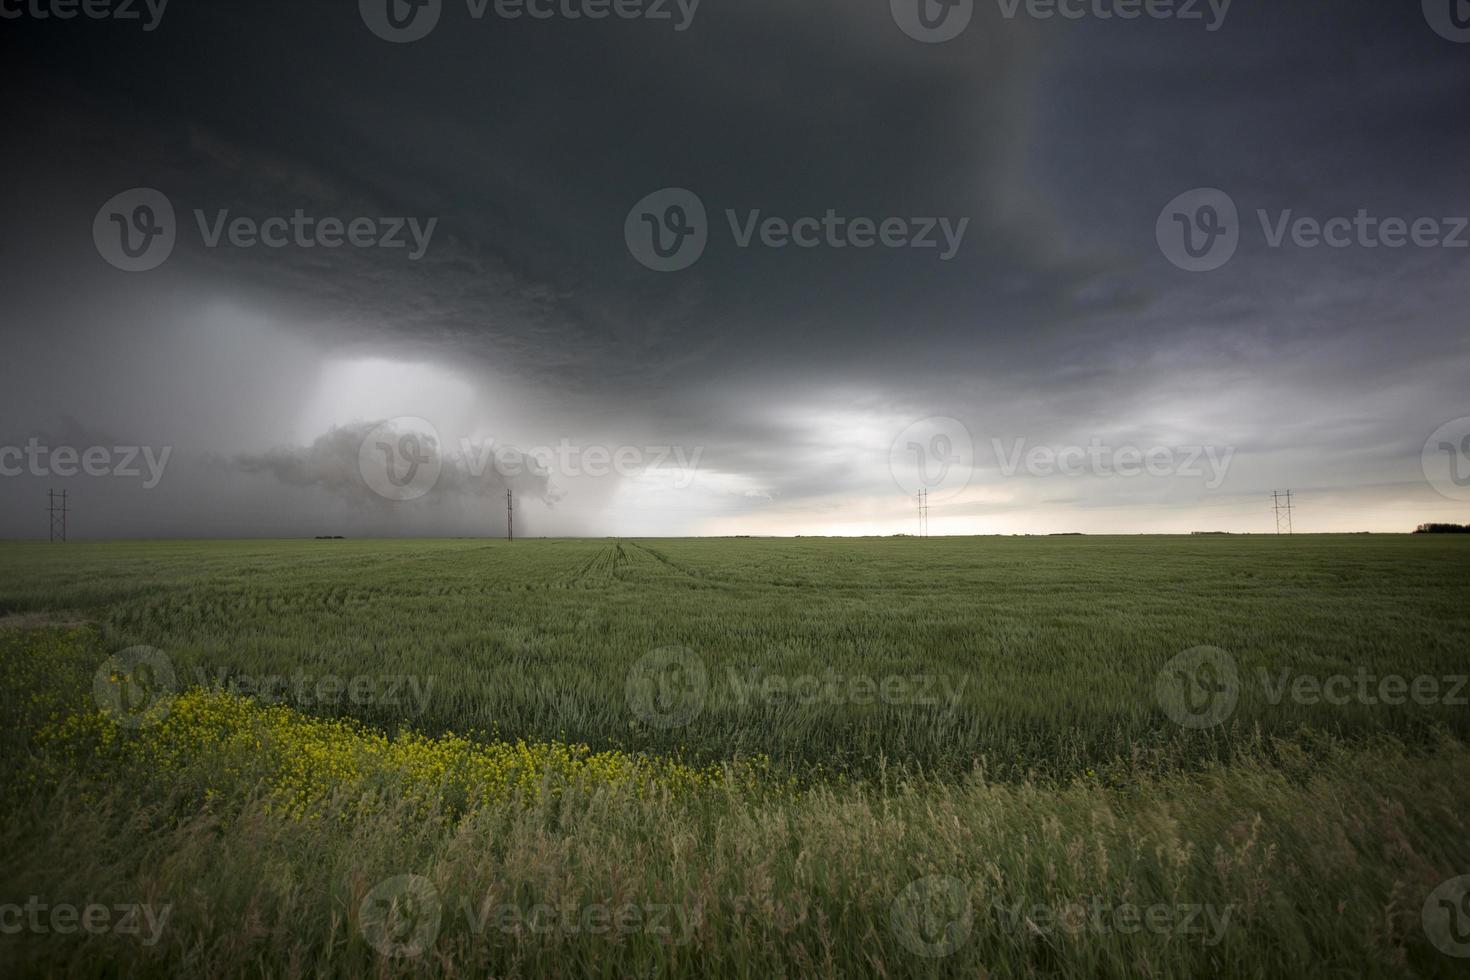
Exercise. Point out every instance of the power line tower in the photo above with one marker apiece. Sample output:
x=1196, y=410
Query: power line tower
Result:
x=58, y=514
x=923, y=513
x=1281, y=504
x=510, y=533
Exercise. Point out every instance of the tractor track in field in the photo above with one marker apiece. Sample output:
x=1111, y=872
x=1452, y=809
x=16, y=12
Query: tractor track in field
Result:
x=596, y=570
x=609, y=564
x=672, y=565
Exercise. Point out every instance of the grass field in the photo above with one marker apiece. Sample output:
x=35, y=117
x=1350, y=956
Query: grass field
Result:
x=1030, y=756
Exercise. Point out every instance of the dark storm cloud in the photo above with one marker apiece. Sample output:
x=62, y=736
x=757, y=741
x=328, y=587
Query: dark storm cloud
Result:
x=527, y=143
x=531, y=142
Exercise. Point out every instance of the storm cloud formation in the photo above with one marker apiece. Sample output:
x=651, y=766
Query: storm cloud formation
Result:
x=1058, y=322
x=385, y=461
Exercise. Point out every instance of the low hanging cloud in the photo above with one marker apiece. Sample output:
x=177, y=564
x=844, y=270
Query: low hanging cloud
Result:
x=379, y=463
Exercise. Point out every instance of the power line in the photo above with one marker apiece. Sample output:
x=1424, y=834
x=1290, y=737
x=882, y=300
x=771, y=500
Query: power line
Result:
x=57, y=513
x=1281, y=504
x=923, y=513
x=510, y=534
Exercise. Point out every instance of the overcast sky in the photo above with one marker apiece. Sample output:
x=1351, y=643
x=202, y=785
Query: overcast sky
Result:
x=995, y=300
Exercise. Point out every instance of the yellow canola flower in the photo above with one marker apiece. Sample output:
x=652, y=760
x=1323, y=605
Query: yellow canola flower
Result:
x=299, y=763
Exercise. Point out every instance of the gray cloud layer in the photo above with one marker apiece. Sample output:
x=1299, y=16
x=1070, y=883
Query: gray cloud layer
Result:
x=1058, y=321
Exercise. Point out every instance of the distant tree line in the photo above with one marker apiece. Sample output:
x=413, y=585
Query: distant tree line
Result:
x=1443, y=529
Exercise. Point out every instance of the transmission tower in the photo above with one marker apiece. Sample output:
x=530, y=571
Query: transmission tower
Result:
x=1281, y=503
x=510, y=532
x=58, y=514
x=923, y=513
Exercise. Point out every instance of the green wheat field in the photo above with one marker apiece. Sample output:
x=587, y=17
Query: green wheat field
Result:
x=1068, y=756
